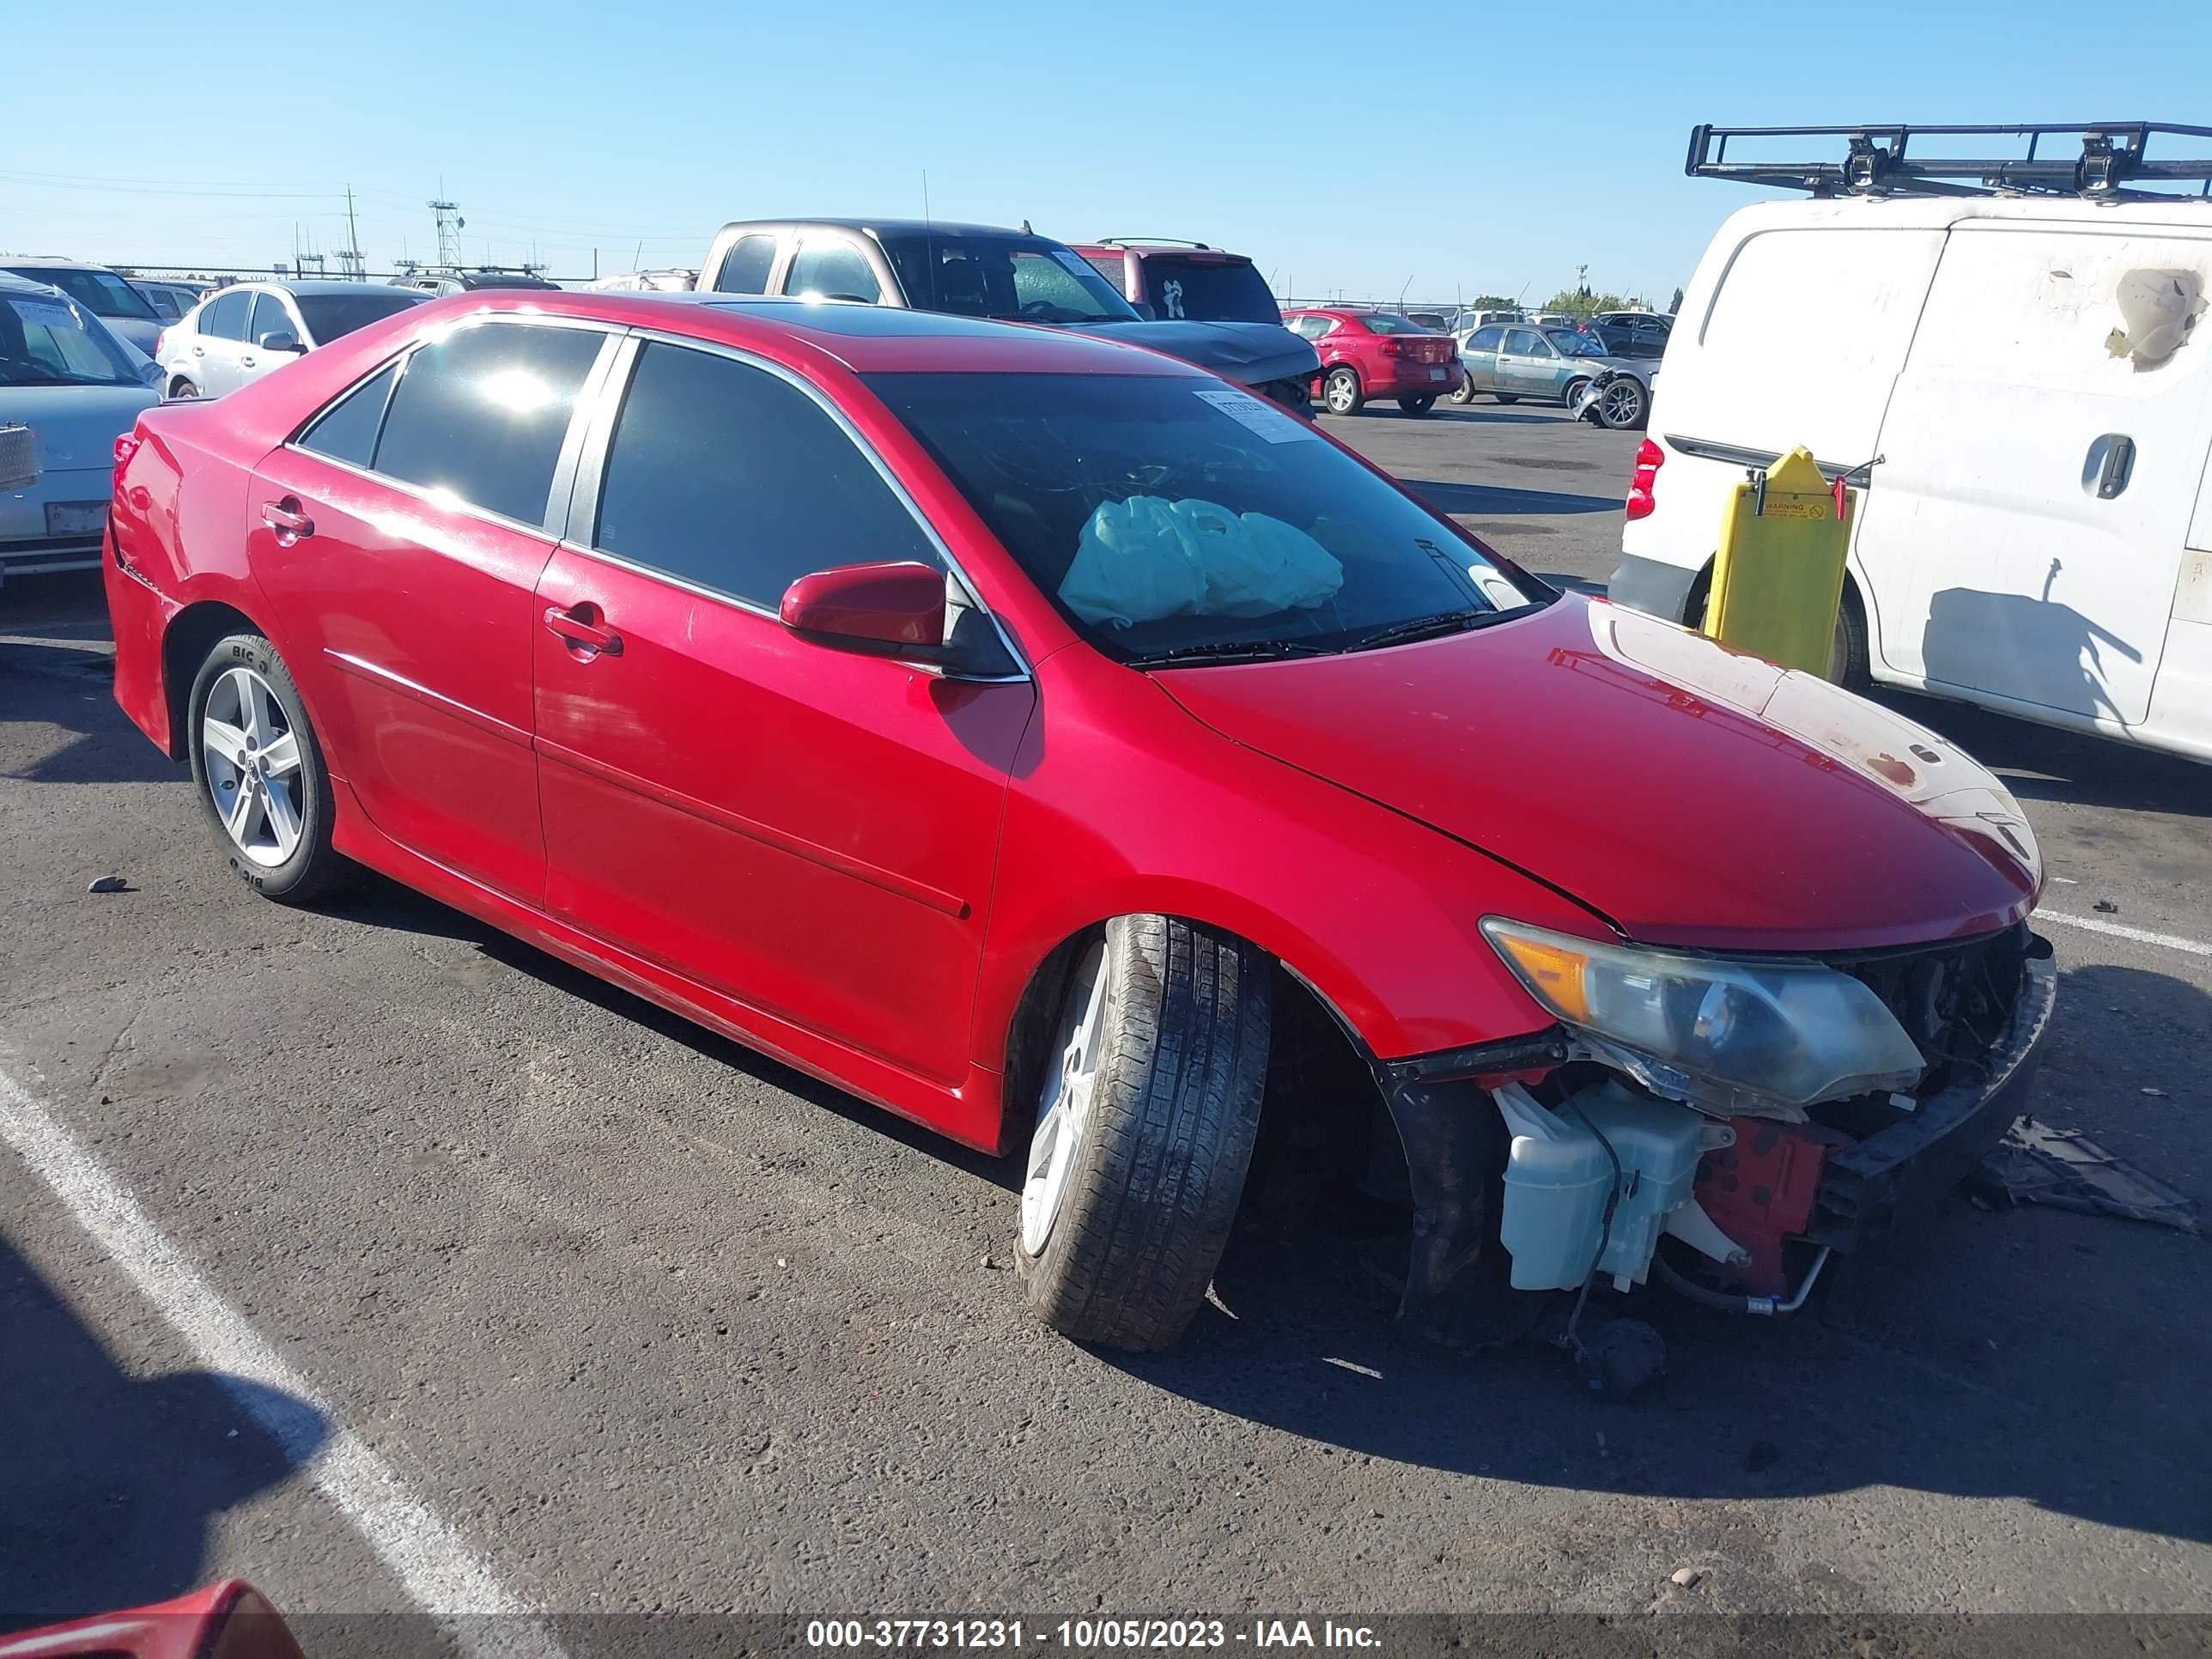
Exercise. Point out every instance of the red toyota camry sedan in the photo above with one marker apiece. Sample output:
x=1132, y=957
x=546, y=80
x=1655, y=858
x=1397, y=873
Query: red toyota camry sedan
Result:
x=1053, y=742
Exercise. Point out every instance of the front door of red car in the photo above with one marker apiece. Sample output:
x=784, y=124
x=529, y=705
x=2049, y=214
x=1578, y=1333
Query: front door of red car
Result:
x=400, y=539
x=811, y=833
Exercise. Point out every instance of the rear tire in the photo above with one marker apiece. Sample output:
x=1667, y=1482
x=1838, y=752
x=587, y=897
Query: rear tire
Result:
x=1847, y=662
x=1145, y=1129
x=183, y=388
x=1341, y=391
x=260, y=773
x=1420, y=405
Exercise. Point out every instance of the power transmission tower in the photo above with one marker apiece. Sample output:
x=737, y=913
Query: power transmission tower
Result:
x=450, y=226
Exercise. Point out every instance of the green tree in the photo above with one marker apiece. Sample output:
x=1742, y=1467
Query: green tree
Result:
x=1489, y=302
x=1581, y=305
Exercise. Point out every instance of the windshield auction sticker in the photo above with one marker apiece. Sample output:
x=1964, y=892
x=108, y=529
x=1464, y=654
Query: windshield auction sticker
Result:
x=1275, y=425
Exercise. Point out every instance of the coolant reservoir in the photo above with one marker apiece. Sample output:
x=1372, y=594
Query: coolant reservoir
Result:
x=1658, y=1144
x=1557, y=1175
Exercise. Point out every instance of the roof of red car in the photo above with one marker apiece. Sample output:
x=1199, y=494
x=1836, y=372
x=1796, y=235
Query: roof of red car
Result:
x=864, y=338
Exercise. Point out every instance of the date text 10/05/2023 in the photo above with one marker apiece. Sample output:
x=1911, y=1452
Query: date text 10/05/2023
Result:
x=1084, y=1635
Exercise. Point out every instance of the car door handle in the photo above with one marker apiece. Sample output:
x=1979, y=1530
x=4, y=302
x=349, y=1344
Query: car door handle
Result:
x=286, y=519
x=2119, y=465
x=246, y=362
x=579, y=624
x=200, y=351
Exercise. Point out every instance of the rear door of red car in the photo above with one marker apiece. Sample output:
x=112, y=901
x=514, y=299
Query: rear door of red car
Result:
x=400, y=538
x=810, y=832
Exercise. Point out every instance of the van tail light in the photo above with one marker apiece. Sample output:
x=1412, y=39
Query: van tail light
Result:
x=1650, y=458
x=1394, y=348
x=127, y=446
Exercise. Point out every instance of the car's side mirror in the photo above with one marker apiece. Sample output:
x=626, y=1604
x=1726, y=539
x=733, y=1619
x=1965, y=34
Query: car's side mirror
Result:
x=895, y=609
x=281, y=339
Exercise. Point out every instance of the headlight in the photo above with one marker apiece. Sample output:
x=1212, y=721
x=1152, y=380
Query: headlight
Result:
x=1789, y=1031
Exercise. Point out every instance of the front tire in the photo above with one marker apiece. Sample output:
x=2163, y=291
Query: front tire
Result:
x=260, y=773
x=1145, y=1129
x=1463, y=394
x=1342, y=392
x=1420, y=405
x=1574, y=390
x=1624, y=405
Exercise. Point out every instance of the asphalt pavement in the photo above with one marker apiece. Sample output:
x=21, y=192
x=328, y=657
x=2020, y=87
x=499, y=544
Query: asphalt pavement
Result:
x=378, y=1258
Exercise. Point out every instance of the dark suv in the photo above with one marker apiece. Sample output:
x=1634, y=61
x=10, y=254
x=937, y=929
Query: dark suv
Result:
x=1183, y=281
x=981, y=270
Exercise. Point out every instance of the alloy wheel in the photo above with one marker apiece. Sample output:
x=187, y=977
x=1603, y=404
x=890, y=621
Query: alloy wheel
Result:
x=1064, y=1109
x=251, y=748
x=1621, y=403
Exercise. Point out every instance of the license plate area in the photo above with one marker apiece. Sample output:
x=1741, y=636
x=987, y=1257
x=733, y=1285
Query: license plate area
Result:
x=75, y=518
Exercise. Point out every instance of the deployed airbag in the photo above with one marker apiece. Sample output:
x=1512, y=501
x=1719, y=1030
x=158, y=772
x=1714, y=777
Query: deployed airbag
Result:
x=1147, y=557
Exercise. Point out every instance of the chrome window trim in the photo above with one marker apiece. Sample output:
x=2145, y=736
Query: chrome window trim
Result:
x=581, y=534
x=585, y=391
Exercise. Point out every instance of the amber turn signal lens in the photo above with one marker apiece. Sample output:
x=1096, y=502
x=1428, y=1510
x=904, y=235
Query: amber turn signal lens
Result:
x=1553, y=971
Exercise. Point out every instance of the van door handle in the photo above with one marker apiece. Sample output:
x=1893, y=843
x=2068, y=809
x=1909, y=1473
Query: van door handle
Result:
x=2119, y=465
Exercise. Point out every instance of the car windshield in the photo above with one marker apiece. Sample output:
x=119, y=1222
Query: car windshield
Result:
x=102, y=293
x=329, y=315
x=47, y=342
x=1383, y=322
x=1017, y=278
x=1167, y=515
x=1574, y=345
x=1209, y=291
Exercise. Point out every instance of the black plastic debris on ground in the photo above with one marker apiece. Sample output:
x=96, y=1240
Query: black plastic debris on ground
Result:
x=2035, y=1163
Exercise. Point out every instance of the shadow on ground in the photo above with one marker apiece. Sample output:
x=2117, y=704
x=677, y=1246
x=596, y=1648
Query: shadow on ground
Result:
x=111, y=1481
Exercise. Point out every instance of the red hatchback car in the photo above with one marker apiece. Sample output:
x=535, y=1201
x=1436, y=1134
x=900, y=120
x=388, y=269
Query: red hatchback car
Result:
x=1367, y=354
x=1053, y=742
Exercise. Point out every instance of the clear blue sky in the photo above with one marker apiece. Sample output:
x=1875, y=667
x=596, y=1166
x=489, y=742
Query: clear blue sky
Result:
x=1343, y=146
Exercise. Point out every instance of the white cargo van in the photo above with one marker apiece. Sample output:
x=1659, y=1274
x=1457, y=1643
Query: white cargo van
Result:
x=2033, y=370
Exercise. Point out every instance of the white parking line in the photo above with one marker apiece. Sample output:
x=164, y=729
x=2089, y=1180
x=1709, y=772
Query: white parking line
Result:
x=435, y=1565
x=2140, y=936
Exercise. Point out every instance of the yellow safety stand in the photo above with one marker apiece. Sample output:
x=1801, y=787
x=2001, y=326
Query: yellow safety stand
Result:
x=1779, y=578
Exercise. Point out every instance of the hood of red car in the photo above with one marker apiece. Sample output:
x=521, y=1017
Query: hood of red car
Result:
x=1690, y=795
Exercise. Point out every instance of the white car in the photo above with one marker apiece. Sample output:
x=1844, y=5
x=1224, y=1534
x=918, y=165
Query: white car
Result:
x=241, y=332
x=68, y=389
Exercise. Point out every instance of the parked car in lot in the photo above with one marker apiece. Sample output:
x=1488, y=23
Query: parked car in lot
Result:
x=1435, y=322
x=102, y=292
x=1084, y=757
x=250, y=328
x=69, y=388
x=1367, y=354
x=1183, y=282
x=1628, y=344
x=1544, y=365
x=2036, y=377
x=668, y=280
x=170, y=300
x=437, y=284
x=980, y=270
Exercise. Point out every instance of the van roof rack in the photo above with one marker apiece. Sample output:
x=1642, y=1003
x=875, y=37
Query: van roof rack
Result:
x=2113, y=164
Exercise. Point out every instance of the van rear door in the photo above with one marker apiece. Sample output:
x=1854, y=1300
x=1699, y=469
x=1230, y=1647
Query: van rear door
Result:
x=2023, y=537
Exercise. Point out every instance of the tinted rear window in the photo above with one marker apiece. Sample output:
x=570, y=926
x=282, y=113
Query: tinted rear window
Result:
x=330, y=315
x=225, y=318
x=745, y=266
x=346, y=431
x=1205, y=292
x=482, y=413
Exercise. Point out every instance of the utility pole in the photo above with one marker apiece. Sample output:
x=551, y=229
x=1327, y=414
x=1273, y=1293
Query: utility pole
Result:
x=353, y=242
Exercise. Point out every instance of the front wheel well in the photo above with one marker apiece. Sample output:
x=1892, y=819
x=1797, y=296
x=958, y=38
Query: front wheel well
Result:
x=1318, y=1119
x=191, y=634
